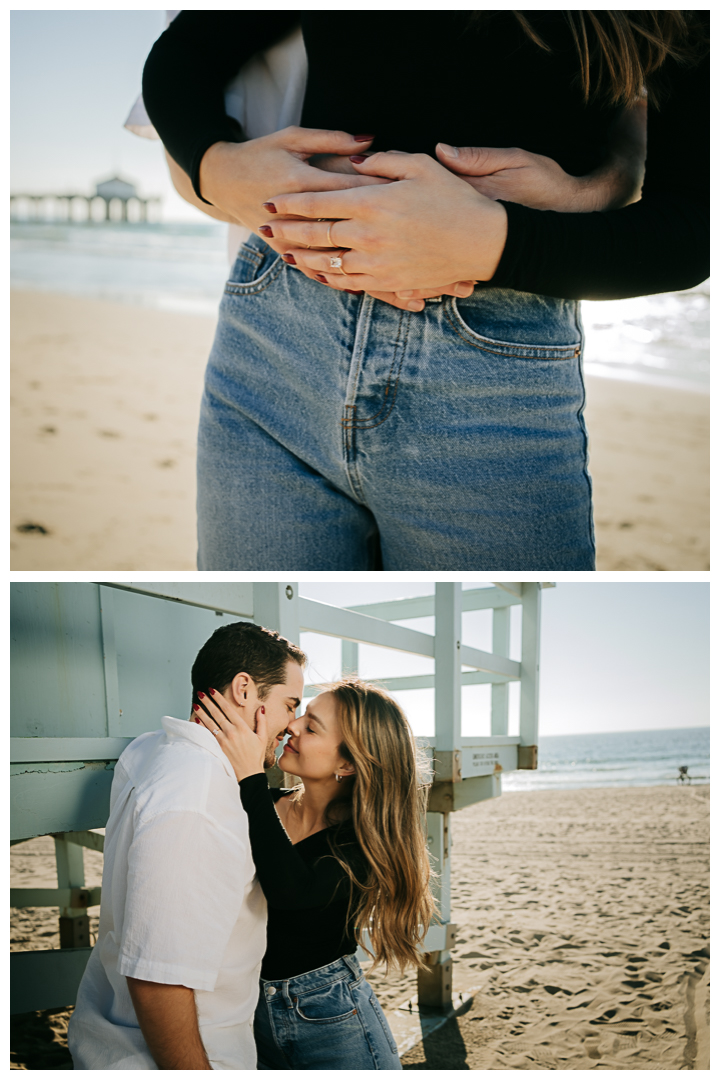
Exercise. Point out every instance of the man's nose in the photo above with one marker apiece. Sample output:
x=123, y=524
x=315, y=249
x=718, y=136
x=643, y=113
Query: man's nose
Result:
x=293, y=727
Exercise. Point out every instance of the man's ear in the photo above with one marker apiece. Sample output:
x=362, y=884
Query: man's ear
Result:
x=238, y=688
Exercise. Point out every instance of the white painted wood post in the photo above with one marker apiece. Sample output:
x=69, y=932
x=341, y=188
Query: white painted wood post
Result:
x=530, y=665
x=74, y=922
x=435, y=985
x=500, y=691
x=350, y=651
x=275, y=606
x=448, y=687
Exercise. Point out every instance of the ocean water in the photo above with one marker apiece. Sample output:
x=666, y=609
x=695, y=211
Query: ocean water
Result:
x=616, y=759
x=661, y=340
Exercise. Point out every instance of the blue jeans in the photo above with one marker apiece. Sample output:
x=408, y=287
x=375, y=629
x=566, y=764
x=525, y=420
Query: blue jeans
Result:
x=324, y=1019
x=340, y=433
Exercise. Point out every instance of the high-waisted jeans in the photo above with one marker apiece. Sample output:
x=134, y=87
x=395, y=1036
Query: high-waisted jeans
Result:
x=325, y=1019
x=340, y=433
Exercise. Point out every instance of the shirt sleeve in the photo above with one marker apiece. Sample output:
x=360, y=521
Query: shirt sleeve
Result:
x=288, y=881
x=187, y=70
x=659, y=244
x=186, y=884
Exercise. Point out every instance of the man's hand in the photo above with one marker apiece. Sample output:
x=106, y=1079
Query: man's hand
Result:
x=237, y=178
x=539, y=182
x=167, y=1016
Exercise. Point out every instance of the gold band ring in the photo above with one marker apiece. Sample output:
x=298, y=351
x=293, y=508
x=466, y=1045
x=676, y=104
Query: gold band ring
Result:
x=329, y=237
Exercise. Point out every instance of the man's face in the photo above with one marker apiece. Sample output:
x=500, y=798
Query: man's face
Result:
x=280, y=705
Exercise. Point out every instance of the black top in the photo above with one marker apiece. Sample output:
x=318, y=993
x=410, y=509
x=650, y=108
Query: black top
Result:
x=303, y=878
x=422, y=77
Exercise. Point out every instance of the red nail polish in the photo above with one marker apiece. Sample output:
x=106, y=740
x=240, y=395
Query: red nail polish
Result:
x=290, y=259
x=363, y=138
x=358, y=158
x=319, y=277
x=196, y=708
x=265, y=230
x=270, y=207
x=200, y=694
x=262, y=708
x=212, y=691
x=354, y=292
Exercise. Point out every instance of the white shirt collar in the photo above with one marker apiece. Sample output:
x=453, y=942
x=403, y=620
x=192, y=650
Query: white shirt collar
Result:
x=198, y=734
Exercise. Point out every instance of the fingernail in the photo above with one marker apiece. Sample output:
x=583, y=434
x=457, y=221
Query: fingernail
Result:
x=451, y=151
x=265, y=230
x=200, y=695
x=415, y=305
x=363, y=138
x=262, y=708
x=290, y=259
x=197, y=721
x=270, y=206
x=358, y=158
x=212, y=691
x=196, y=708
x=354, y=292
x=319, y=277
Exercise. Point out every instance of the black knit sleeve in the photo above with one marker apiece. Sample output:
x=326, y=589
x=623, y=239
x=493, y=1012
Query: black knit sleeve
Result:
x=289, y=881
x=656, y=245
x=188, y=69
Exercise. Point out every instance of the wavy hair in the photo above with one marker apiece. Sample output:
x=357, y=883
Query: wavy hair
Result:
x=388, y=798
x=619, y=51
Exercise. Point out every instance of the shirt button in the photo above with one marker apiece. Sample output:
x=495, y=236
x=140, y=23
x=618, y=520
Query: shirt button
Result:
x=271, y=990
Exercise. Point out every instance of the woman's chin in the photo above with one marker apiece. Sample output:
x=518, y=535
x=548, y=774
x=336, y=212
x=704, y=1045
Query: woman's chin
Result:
x=288, y=762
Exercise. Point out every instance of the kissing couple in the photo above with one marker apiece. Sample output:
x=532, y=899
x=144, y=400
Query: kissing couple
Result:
x=232, y=911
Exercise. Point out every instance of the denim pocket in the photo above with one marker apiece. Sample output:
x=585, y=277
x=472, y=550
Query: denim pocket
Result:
x=539, y=324
x=326, y=1005
x=254, y=269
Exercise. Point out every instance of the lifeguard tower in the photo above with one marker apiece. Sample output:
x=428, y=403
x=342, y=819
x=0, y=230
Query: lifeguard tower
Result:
x=93, y=665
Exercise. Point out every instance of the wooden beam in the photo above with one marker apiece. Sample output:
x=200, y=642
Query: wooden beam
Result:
x=232, y=598
x=43, y=749
x=46, y=979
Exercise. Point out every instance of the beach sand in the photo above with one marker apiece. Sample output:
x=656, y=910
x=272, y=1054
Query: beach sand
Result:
x=583, y=933
x=105, y=402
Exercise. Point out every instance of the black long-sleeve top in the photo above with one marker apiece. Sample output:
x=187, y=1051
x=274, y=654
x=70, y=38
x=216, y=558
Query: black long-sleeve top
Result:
x=306, y=888
x=415, y=78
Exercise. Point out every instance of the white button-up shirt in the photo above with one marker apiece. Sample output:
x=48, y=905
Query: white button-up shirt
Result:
x=180, y=903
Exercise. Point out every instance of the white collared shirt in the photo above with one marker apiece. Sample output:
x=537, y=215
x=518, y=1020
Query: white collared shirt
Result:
x=180, y=903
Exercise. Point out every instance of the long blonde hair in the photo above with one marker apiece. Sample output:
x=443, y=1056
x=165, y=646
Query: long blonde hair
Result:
x=624, y=49
x=387, y=799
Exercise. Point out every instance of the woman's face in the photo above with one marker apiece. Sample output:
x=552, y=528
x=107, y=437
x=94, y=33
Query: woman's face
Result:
x=312, y=751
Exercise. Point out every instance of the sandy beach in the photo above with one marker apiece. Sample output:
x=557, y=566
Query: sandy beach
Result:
x=583, y=935
x=105, y=401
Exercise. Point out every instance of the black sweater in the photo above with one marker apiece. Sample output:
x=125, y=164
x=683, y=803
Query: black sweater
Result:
x=422, y=77
x=306, y=889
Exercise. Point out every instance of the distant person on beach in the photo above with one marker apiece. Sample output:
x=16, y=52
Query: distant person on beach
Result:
x=172, y=982
x=429, y=414
x=342, y=855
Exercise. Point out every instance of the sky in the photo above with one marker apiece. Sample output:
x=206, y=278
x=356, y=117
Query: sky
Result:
x=74, y=78
x=613, y=656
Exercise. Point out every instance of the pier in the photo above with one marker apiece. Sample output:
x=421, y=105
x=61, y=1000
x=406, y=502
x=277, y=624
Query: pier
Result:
x=114, y=200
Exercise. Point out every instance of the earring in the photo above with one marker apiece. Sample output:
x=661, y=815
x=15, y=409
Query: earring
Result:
x=339, y=778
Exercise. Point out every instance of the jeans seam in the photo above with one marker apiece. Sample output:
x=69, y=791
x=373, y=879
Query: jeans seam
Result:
x=581, y=422
x=363, y=422
x=462, y=333
x=361, y=1018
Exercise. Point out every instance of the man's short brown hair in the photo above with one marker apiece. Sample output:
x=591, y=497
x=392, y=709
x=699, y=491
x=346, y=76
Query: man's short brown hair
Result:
x=243, y=646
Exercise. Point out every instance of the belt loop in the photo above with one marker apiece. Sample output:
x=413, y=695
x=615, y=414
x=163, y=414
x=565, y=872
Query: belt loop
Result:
x=354, y=965
x=286, y=993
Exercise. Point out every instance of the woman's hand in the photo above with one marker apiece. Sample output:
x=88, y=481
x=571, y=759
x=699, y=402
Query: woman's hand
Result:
x=244, y=748
x=238, y=177
x=429, y=226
